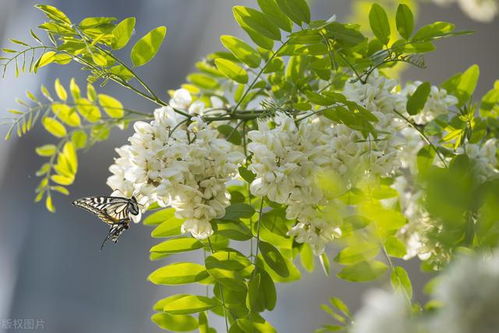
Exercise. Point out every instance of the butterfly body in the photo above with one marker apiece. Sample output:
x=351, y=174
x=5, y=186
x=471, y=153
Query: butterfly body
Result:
x=117, y=212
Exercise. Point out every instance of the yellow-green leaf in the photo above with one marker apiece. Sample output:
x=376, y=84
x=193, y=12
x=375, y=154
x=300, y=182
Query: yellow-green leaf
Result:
x=241, y=50
x=54, y=127
x=62, y=180
x=175, y=323
x=67, y=114
x=46, y=150
x=88, y=110
x=178, y=273
x=60, y=91
x=190, y=304
x=46, y=59
x=111, y=106
x=49, y=204
x=122, y=33
x=70, y=154
x=148, y=46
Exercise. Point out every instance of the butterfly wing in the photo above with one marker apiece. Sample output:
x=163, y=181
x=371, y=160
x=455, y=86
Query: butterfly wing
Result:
x=110, y=210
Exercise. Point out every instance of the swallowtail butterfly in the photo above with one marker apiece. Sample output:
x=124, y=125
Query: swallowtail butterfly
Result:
x=117, y=212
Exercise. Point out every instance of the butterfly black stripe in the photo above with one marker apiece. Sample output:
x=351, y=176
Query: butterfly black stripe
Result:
x=115, y=211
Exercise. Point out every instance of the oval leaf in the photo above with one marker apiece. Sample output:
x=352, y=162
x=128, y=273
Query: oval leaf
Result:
x=378, y=21
x=190, y=304
x=148, y=46
x=231, y=70
x=178, y=273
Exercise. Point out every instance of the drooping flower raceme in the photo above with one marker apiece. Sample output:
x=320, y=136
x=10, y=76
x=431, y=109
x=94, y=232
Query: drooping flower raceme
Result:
x=286, y=160
x=185, y=167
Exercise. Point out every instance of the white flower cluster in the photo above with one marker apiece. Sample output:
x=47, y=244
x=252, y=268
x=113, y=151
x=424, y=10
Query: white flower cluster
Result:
x=468, y=293
x=286, y=160
x=384, y=312
x=484, y=159
x=478, y=10
x=185, y=167
x=287, y=157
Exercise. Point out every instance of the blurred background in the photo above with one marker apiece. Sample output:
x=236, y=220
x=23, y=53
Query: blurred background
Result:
x=51, y=269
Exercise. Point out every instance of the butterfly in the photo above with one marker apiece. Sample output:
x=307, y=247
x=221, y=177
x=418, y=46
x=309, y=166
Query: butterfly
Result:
x=117, y=212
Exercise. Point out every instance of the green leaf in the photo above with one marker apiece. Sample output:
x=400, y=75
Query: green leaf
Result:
x=467, y=84
x=395, y=247
x=307, y=257
x=190, y=304
x=159, y=216
x=268, y=290
x=123, y=32
x=416, y=102
x=53, y=13
x=400, y=281
x=171, y=227
x=75, y=90
x=241, y=50
x=46, y=59
x=357, y=252
x=363, y=271
x=259, y=39
x=67, y=114
x=255, y=300
x=178, y=273
x=79, y=139
x=60, y=91
x=234, y=230
x=231, y=70
x=49, y=205
x=111, y=106
x=177, y=245
x=273, y=258
x=378, y=20
x=60, y=189
x=88, y=110
x=340, y=305
x=148, y=46
x=346, y=34
x=253, y=19
x=230, y=133
x=175, y=323
x=237, y=211
x=228, y=259
x=326, y=266
x=246, y=174
x=272, y=10
x=202, y=81
x=46, y=150
x=62, y=180
x=405, y=21
x=297, y=10
x=433, y=31
x=71, y=157
x=54, y=127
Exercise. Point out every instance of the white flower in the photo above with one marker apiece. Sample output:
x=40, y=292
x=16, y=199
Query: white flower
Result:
x=469, y=292
x=178, y=166
x=384, y=312
x=181, y=99
x=480, y=10
x=287, y=157
x=484, y=158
